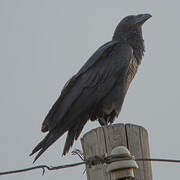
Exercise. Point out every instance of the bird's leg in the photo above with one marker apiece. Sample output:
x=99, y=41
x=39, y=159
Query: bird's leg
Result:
x=102, y=121
x=112, y=117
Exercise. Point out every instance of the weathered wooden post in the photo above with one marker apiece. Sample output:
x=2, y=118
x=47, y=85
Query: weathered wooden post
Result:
x=102, y=140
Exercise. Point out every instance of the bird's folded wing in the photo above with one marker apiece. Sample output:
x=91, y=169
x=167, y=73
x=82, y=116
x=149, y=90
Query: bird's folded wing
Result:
x=94, y=80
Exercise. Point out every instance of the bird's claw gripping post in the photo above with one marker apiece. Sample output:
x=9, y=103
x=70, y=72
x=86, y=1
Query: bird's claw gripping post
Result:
x=102, y=122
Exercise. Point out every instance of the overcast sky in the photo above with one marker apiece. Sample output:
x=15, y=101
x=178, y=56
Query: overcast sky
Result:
x=44, y=42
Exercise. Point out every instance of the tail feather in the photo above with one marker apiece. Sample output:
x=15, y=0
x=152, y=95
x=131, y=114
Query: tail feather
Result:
x=81, y=125
x=40, y=145
x=74, y=133
x=69, y=140
x=45, y=143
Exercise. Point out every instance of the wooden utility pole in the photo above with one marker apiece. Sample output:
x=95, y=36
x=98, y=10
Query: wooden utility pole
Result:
x=102, y=140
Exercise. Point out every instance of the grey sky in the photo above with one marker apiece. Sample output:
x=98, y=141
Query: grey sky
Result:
x=43, y=43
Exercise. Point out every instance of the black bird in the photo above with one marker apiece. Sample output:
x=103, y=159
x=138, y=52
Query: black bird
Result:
x=97, y=91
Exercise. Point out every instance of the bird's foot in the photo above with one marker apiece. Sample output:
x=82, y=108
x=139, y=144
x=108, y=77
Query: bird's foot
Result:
x=102, y=122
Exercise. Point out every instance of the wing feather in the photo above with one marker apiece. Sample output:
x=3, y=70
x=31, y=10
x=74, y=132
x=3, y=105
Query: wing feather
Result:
x=73, y=88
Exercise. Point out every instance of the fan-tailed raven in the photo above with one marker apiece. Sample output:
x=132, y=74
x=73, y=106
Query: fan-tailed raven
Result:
x=97, y=91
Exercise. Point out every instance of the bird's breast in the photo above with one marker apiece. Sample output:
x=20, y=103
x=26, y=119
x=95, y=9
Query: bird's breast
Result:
x=132, y=69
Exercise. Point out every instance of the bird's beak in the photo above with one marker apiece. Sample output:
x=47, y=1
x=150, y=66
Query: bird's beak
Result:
x=142, y=18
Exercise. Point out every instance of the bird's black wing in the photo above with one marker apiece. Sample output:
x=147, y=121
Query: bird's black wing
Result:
x=72, y=89
x=88, y=87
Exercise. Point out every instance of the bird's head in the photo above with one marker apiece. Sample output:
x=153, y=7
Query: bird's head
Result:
x=130, y=24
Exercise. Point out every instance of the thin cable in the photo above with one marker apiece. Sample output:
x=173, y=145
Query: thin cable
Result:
x=158, y=160
x=90, y=162
x=43, y=167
